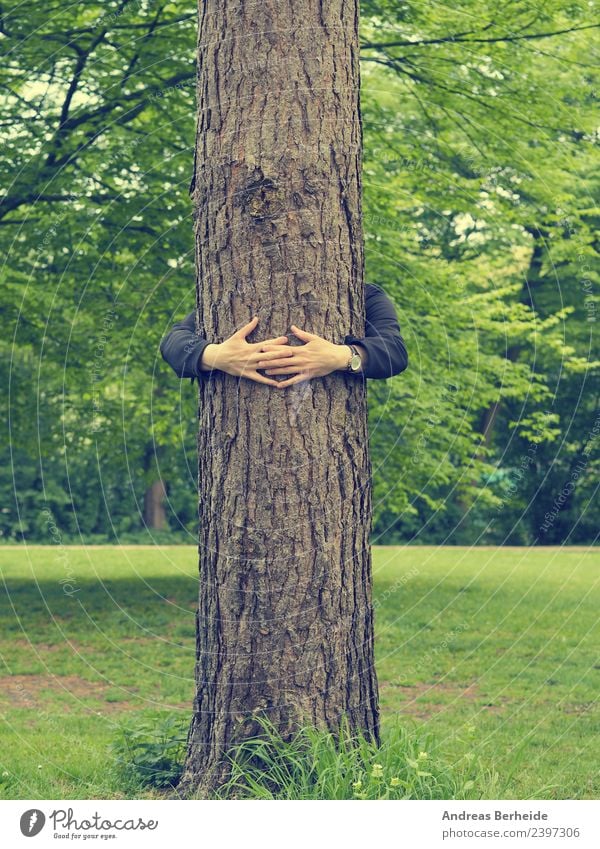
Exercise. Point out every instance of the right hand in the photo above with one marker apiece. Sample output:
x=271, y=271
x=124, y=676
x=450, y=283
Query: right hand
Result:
x=238, y=357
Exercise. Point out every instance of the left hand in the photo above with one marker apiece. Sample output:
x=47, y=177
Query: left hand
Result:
x=316, y=358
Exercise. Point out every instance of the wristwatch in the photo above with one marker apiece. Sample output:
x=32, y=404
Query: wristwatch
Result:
x=355, y=361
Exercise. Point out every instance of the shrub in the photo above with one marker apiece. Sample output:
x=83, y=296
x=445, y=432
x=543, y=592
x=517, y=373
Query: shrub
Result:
x=151, y=753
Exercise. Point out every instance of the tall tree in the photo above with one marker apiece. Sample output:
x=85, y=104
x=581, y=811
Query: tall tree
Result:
x=284, y=621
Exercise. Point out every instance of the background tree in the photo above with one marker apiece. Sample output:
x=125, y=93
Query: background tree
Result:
x=480, y=137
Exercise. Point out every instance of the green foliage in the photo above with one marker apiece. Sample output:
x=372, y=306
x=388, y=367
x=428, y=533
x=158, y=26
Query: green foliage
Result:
x=480, y=222
x=149, y=753
x=315, y=764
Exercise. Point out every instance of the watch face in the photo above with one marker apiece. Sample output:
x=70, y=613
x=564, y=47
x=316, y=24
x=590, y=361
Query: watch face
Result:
x=355, y=362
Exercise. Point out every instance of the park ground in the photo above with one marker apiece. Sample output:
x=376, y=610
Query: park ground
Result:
x=491, y=651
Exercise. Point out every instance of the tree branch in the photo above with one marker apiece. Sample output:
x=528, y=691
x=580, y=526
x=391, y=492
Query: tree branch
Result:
x=373, y=45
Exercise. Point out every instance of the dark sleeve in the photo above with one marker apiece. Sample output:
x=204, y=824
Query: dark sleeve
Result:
x=182, y=348
x=383, y=339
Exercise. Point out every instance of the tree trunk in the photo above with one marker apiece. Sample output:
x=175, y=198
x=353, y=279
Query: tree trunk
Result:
x=284, y=625
x=155, y=517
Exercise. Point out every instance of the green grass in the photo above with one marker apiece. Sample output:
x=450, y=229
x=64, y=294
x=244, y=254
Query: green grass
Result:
x=488, y=654
x=315, y=765
x=312, y=765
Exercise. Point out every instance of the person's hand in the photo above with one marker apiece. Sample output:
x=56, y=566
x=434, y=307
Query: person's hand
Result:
x=316, y=358
x=238, y=357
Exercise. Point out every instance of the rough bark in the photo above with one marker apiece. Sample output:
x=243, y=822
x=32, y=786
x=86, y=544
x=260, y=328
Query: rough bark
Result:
x=285, y=622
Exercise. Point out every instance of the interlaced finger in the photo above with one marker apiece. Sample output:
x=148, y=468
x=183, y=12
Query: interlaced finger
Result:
x=267, y=357
x=291, y=369
x=280, y=340
x=260, y=378
x=298, y=378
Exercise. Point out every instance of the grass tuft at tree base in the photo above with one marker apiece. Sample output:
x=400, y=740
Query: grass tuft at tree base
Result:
x=312, y=765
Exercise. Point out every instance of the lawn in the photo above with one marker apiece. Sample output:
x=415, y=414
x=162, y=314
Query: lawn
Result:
x=493, y=651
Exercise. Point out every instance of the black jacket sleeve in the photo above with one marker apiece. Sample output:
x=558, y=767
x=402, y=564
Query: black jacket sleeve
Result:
x=383, y=339
x=182, y=348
